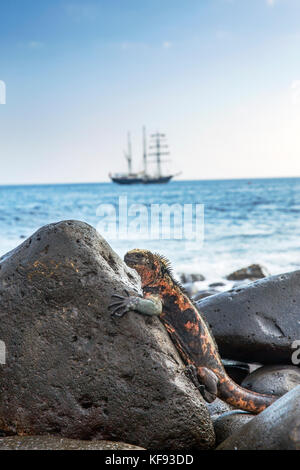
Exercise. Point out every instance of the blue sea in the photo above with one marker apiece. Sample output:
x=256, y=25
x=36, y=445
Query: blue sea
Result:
x=245, y=221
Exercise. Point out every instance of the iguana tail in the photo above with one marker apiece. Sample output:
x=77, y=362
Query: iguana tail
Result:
x=242, y=398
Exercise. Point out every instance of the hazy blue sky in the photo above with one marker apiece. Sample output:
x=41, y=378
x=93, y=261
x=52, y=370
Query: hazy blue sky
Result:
x=220, y=77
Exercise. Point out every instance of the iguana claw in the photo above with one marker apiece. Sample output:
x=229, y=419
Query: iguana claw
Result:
x=123, y=304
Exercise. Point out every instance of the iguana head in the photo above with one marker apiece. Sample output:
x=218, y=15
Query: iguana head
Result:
x=151, y=267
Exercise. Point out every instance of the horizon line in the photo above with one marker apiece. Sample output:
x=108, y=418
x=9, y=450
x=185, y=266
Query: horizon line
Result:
x=3, y=185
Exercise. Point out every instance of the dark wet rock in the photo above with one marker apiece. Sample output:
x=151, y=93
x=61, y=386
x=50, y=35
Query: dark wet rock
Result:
x=229, y=423
x=217, y=408
x=275, y=380
x=253, y=367
x=257, y=322
x=58, y=443
x=236, y=370
x=74, y=371
x=255, y=271
x=204, y=293
x=217, y=284
x=276, y=428
x=188, y=278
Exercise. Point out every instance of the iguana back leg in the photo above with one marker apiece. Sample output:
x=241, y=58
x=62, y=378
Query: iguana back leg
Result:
x=210, y=381
x=205, y=380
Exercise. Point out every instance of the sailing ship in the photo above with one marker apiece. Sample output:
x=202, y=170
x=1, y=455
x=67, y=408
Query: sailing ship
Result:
x=158, y=149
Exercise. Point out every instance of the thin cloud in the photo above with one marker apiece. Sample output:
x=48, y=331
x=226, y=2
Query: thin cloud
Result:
x=135, y=45
x=131, y=45
x=271, y=3
x=167, y=44
x=82, y=12
x=35, y=45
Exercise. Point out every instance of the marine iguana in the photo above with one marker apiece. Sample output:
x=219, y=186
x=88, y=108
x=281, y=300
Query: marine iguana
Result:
x=164, y=297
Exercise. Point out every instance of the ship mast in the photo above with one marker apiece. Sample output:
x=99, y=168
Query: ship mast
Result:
x=159, y=144
x=128, y=155
x=145, y=150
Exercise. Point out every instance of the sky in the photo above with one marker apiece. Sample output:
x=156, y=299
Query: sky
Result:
x=220, y=77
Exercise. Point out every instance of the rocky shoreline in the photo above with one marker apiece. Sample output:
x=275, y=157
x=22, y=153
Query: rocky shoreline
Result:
x=198, y=287
x=72, y=372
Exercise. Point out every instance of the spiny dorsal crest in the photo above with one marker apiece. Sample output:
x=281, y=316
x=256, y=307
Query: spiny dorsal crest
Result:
x=165, y=263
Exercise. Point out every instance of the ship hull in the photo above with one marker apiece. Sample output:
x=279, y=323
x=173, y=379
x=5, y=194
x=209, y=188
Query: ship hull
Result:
x=149, y=180
x=161, y=180
x=124, y=180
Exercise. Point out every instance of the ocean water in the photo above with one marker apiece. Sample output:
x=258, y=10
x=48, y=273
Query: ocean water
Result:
x=245, y=221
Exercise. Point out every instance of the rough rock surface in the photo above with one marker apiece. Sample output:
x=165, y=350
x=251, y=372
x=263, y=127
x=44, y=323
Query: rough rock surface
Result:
x=229, y=423
x=74, y=371
x=257, y=322
x=58, y=443
x=255, y=271
x=276, y=428
x=275, y=380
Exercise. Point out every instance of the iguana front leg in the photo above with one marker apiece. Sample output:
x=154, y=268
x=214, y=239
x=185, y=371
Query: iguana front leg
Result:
x=150, y=305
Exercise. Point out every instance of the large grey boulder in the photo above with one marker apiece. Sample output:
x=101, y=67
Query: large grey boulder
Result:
x=258, y=322
x=276, y=428
x=201, y=294
x=230, y=423
x=274, y=380
x=74, y=371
